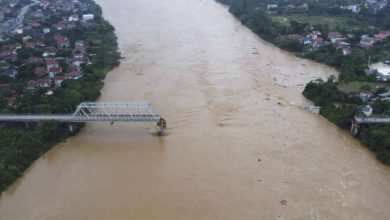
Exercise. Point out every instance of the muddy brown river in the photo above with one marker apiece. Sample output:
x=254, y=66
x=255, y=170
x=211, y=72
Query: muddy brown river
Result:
x=238, y=145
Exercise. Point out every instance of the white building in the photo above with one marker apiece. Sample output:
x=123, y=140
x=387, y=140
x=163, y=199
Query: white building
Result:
x=88, y=17
x=382, y=70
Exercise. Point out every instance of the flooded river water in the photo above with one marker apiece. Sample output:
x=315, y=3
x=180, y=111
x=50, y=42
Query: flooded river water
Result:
x=238, y=145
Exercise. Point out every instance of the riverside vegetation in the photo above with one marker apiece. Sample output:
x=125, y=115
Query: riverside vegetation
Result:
x=275, y=21
x=20, y=145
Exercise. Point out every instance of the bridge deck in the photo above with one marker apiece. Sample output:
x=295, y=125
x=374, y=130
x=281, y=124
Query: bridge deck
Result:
x=372, y=120
x=76, y=118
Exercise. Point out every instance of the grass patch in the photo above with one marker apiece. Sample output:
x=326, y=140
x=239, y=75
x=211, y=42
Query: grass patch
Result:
x=332, y=22
x=356, y=86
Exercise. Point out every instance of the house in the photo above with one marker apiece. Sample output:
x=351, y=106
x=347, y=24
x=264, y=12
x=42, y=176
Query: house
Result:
x=382, y=35
x=271, y=13
x=53, y=71
x=44, y=83
x=296, y=37
x=52, y=63
x=79, y=43
x=38, y=15
x=73, y=18
x=10, y=99
x=10, y=72
x=34, y=60
x=37, y=34
x=73, y=75
x=49, y=53
x=88, y=17
x=79, y=48
x=40, y=71
x=26, y=38
x=367, y=110
x=364, y=95
x=16, y=46
x=313, y=35
x=334, y=35
x=271, y=6
x=59, y=26
x=341, y=44
x=380, y=70
x=19, y=30
x=31, y=85
x=58, y=81
x=44, y=3
x=49, y=93
x=8, y=55
x=290, y=7
x=30, y=45
x=63, y=42
x=367, y=42
x=352, y=8
x=46, y=30
x=5, y=86
x=346, y=51
x=304, y=6
x=74, y=68
x=13, y=3
x=307, y=40
x=384, y=96
x=34, y=24
x=78, y=60
x=319, y=42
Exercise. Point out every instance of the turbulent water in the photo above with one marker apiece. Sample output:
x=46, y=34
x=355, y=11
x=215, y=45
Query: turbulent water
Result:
x=238, y=144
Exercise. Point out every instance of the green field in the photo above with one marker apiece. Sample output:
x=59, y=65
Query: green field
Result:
x=332, y=22
x=356, y=86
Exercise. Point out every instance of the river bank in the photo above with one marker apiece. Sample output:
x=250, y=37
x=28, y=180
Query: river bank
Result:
x=52, y=93
x=237, y=145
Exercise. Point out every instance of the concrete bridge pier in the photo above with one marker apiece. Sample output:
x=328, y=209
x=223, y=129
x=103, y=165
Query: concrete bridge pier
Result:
x=161, y=126
x=71, y=128
x=355, y=128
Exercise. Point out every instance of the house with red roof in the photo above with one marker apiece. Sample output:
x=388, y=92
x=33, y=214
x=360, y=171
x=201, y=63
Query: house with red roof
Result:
x=78, y=60
x=382, y=35
x=10, y=99
x=54, y=71
x=31, y=85
x=40, y=71
x=5, y=86
x=34, y=60
x=44, y=83
x=52, y=63
x=62, y=42
x=59, y=26
x=74, y=75
x=58, y=81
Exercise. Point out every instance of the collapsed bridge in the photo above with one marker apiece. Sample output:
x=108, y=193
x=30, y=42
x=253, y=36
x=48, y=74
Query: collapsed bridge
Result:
x=102, y=111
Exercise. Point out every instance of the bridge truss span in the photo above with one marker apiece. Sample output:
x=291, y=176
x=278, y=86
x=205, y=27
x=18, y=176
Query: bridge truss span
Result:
x=111, y=111
x=102, y=111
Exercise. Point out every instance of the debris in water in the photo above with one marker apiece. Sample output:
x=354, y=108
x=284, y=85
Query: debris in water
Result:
x=283, y=202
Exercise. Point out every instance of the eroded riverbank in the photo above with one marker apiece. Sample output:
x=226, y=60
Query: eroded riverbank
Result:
x=238, y=147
